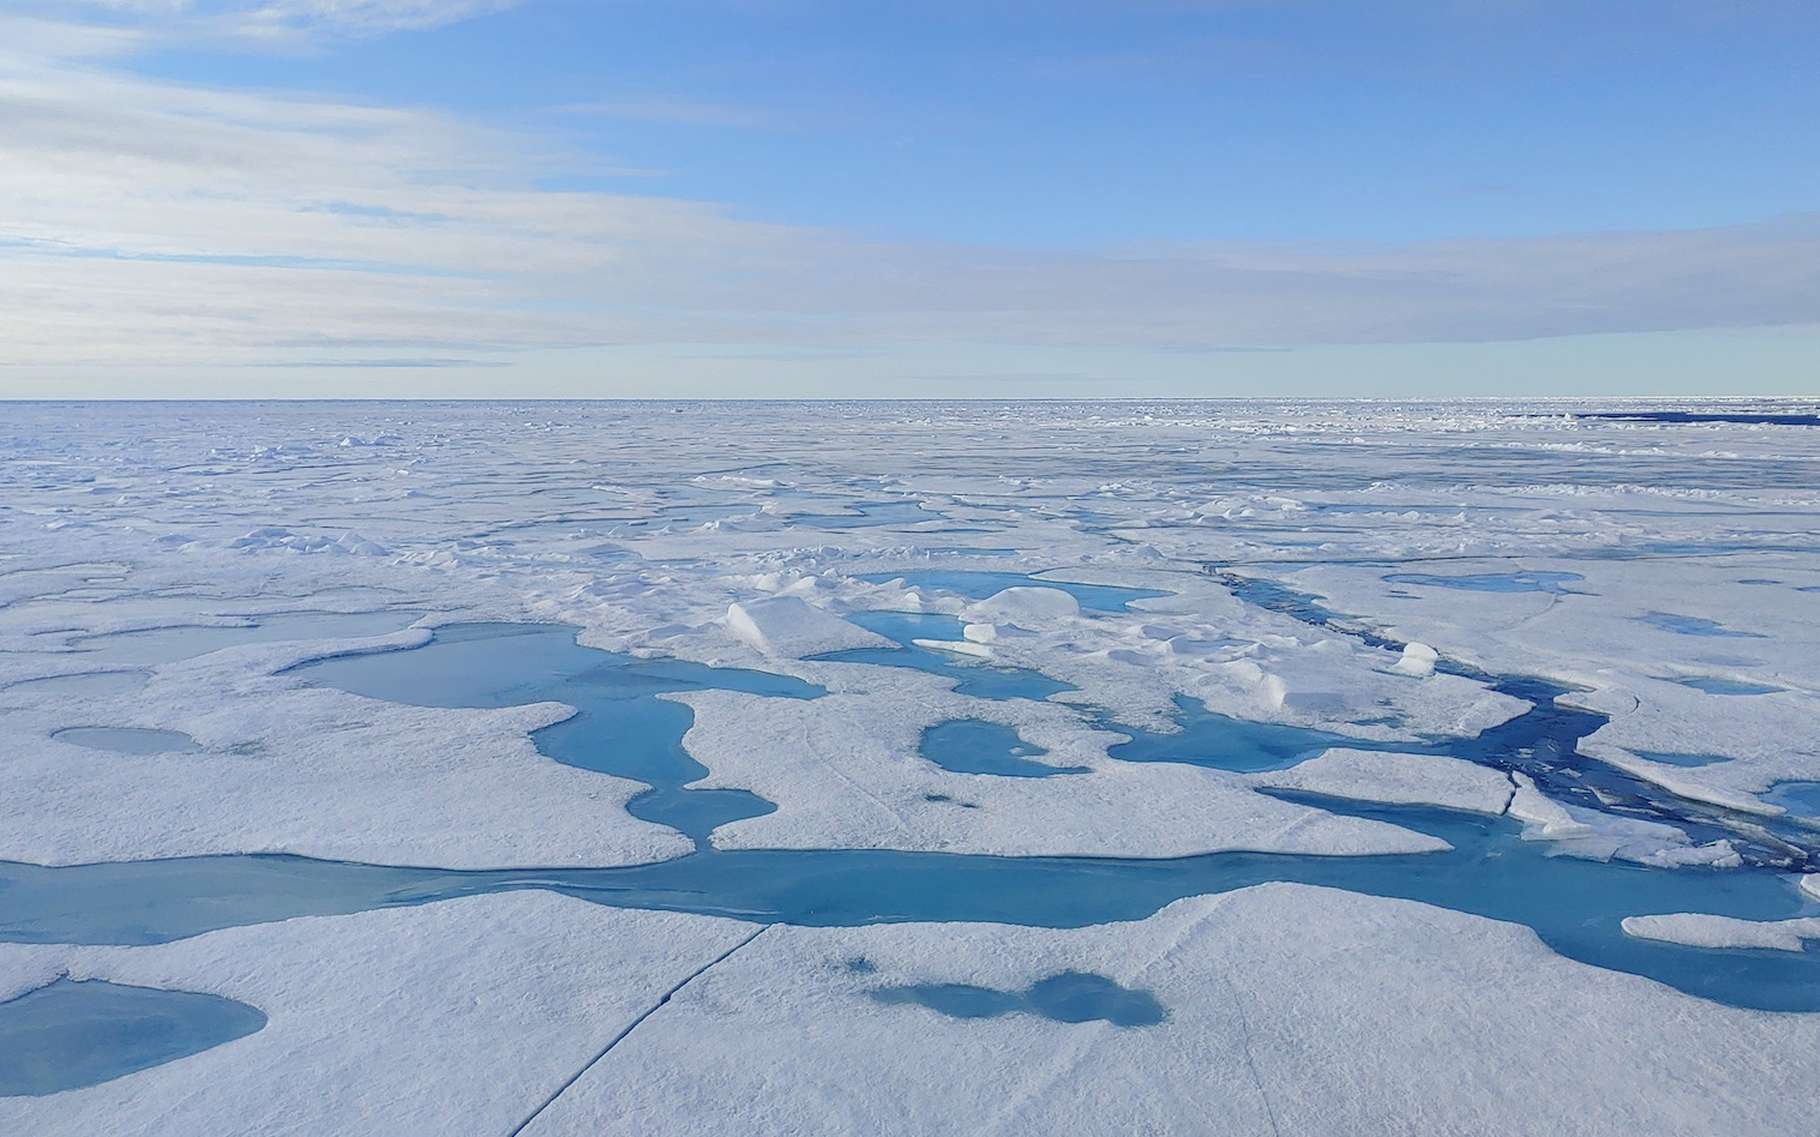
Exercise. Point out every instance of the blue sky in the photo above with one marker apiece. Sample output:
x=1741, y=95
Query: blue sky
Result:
x=798, y=197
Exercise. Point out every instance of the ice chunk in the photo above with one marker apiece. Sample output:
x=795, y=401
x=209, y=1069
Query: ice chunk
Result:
x=1697, y=929
x=1400, y=779
x=1032, y=607
x=790, y=627
x=1418, y=660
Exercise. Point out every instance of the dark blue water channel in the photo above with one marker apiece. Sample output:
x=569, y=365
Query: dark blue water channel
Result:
x=1542, y=743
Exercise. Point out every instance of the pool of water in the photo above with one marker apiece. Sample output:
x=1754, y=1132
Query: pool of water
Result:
x=1740, y=418
x=1551, y=582
x=969, y=746
x=1672, y=758
x=1692, y=626
x=167, y=645
x=1573, y=905
x=72, y=1034
x=980, y=585
x=127, y=739
x=1715, y=685
x=619, y=727
x=867, y=514
x=1068, y=997
x=1800, y=798
x=971, y=676
x=1207, y=738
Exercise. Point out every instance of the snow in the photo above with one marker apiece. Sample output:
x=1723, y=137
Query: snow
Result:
x=1400, y=779
x=1618, y=559
x=282, y=767
x=1418, y=660
x=845, y=773
x=1701, y=930
x=1022, y=607
x=456, y=1017
x=792, y=627
x=1580, y=832
x=1290, y=1009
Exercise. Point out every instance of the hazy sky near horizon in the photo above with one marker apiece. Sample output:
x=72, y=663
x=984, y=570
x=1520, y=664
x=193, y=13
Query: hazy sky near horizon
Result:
x=991, y=198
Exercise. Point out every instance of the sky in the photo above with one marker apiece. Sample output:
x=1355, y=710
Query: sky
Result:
x=995, y=198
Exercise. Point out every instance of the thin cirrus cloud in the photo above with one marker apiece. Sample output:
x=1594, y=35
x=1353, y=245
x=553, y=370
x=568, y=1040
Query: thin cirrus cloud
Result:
x=153, y=222
x=268, y=20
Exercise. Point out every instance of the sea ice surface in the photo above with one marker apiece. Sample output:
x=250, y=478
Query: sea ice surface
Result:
x=909, y=767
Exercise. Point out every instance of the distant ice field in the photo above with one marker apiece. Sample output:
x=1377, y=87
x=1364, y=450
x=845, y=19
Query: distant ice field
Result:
x=694, y=694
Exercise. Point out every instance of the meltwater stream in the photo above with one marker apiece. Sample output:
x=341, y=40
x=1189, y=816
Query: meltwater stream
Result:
x=1573, y=905
x=1542, y=743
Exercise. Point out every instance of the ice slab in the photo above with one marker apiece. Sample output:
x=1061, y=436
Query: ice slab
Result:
x=457, y=1017
x=1288, y=1010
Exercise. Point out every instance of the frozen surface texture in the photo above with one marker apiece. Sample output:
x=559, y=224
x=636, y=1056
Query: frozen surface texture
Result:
x=1169, y=630
x=1287, y=1009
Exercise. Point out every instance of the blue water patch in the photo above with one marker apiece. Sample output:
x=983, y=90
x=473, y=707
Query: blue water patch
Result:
x=69, y=1034
x=1070, y=997
x=1800, y=798
x=980, y=585
x=1715, y=685
x=1739, y=418
x=971, y=676
x=1573, y=905
x=1690, y=761
x=1207, y=738
x=127, y=739
x=620, y=727
x=1682, y=549
x=1542, y=744
x=968, y=550
x=167, y=645
x=1524, y=581
x=867, y=514
x=1692, y=626
x=969, y=746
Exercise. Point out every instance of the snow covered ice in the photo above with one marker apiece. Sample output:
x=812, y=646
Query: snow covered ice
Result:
x=1274, y=767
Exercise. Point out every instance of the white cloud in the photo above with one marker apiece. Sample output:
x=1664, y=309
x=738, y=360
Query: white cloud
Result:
x=90, y=27
x=146, y=221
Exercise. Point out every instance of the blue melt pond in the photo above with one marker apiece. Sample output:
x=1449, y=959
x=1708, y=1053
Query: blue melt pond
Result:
x=970, y=675
x=169, y=644
x=619, y=727
x=1800, y=798
x=72, y=1034
x=1573, y=905
x=868, y=514
x=127, y=739
x=1551, y=582
x=1714, y=685
x=969, y=746
x=1207, y=738
x=980, y=585
x=1692, y=626
x=1688, y=761
x=1070, y=997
